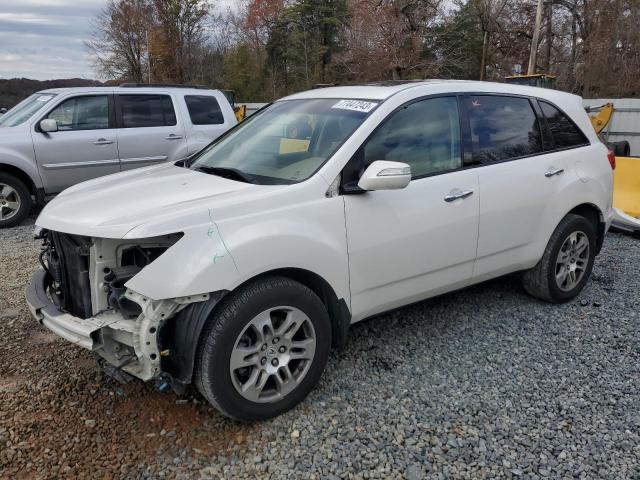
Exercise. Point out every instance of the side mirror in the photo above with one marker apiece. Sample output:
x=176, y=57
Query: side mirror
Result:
x=3, y=110
x=48, y=125
x=385, y=175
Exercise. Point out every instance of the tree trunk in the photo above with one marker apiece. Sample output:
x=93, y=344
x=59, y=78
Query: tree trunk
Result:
x=483, y=59
x=547, y=66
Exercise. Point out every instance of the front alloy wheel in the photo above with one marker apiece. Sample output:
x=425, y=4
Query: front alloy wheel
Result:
x=273, y=354
x=15, y=200
x=263, y=349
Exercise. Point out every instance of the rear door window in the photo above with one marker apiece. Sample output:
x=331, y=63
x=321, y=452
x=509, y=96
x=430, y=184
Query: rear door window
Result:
x=204, y=110
x=502, y=128
x=146, y=110
x=565, y=133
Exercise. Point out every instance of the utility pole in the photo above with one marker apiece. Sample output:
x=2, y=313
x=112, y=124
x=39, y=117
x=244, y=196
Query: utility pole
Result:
x=534, y=41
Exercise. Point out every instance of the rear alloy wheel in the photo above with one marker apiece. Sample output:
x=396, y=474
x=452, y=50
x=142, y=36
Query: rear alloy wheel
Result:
x=566, y=263
x=263, y=349
x=15, y=200
x=572, y=261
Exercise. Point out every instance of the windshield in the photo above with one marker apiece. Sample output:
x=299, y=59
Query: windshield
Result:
x=25, y=109
x=286, y=142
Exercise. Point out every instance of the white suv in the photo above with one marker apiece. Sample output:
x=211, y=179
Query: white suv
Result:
x=239, y=269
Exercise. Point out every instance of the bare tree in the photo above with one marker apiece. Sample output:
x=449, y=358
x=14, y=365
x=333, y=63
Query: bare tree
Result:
x=119, y=40
x=181, y=25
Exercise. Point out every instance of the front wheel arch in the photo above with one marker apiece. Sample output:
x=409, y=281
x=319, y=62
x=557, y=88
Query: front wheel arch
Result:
x=180, y=334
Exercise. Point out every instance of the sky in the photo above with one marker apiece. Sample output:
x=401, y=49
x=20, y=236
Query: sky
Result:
x=44, y=39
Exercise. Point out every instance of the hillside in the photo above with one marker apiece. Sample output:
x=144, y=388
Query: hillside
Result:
x=14, y=90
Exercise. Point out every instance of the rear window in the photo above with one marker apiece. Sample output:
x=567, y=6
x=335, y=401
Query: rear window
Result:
x=142, y=110
x=565, y=133
x=502, y=128
x=204, y=110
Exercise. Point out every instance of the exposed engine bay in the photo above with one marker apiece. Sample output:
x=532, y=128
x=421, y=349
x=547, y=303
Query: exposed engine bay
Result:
x=86, y=279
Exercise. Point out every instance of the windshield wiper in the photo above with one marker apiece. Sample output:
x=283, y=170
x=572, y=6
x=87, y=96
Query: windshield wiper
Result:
x=226, y=172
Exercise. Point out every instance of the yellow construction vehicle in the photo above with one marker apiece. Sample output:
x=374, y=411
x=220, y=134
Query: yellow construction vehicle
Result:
x=626, y=176
x=543, y=80
x=601, y=119
x=239, y=110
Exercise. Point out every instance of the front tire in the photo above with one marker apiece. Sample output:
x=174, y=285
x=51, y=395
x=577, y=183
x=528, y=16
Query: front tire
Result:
x=15, y=200
x=263, y=350
x=566, y=263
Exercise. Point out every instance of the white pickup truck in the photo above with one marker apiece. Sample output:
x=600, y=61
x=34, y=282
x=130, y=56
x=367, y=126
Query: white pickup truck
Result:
x=59, y=137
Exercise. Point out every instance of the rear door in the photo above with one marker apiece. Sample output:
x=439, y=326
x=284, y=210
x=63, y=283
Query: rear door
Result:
x=149, y=129
x=85, y=145
x=519, y=180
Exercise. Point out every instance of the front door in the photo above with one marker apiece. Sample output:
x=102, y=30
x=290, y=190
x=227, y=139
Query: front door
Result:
x=406, y=245
x=149, y=131
x=84, y=147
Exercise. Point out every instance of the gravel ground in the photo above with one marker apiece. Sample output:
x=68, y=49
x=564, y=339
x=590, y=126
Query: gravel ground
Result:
x=482, y=383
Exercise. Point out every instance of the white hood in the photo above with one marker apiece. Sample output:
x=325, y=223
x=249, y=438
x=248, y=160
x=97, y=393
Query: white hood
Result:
x=111, y=206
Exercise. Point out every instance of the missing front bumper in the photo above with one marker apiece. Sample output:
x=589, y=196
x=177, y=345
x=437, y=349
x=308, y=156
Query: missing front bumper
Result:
x=127, y=344
x=83, y=332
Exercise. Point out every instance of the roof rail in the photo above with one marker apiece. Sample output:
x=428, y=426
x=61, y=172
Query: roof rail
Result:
x=162, y=85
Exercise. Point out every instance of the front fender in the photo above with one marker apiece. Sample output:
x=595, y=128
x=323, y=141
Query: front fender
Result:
x=221, y=255
x=15, y=159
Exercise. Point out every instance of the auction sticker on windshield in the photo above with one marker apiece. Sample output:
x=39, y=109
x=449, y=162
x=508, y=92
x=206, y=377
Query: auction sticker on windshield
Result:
x=357, y=105
x=44, y=98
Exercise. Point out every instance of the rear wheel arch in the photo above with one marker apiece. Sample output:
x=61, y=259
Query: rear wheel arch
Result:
x=593, y=214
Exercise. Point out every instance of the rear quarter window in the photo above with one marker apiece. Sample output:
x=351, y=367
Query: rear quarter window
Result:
x=565, y=133
x=204, y=110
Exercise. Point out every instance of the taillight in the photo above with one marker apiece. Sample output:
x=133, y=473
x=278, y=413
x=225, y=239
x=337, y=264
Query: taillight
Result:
x=612, y=160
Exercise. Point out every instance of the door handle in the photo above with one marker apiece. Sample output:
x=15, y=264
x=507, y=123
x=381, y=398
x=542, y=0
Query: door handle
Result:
x=173, y=136
x=553, y=171
x=456, y=194
x=103, y=141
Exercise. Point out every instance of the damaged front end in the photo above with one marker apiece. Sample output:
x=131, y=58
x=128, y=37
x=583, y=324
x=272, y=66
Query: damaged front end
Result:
x=80, y=293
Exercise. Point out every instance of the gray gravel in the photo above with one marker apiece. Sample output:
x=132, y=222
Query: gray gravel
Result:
x=482, y=383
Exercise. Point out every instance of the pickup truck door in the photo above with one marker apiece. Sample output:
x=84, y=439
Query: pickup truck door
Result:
x=85, y=145
x=149, y=130
x=410, y=244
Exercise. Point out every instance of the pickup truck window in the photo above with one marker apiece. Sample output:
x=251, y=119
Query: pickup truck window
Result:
x=25, y=109
x=204, y=110
x=141, y=110
x=82, y=113
x=286, y=142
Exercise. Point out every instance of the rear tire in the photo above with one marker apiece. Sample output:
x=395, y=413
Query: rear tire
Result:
x=566, y=264
x=263, y=350
x=15, y=200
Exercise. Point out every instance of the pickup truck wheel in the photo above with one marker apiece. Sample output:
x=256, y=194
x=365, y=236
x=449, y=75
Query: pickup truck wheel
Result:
x=263, y=350
x=566, y=263
x=15, y=200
